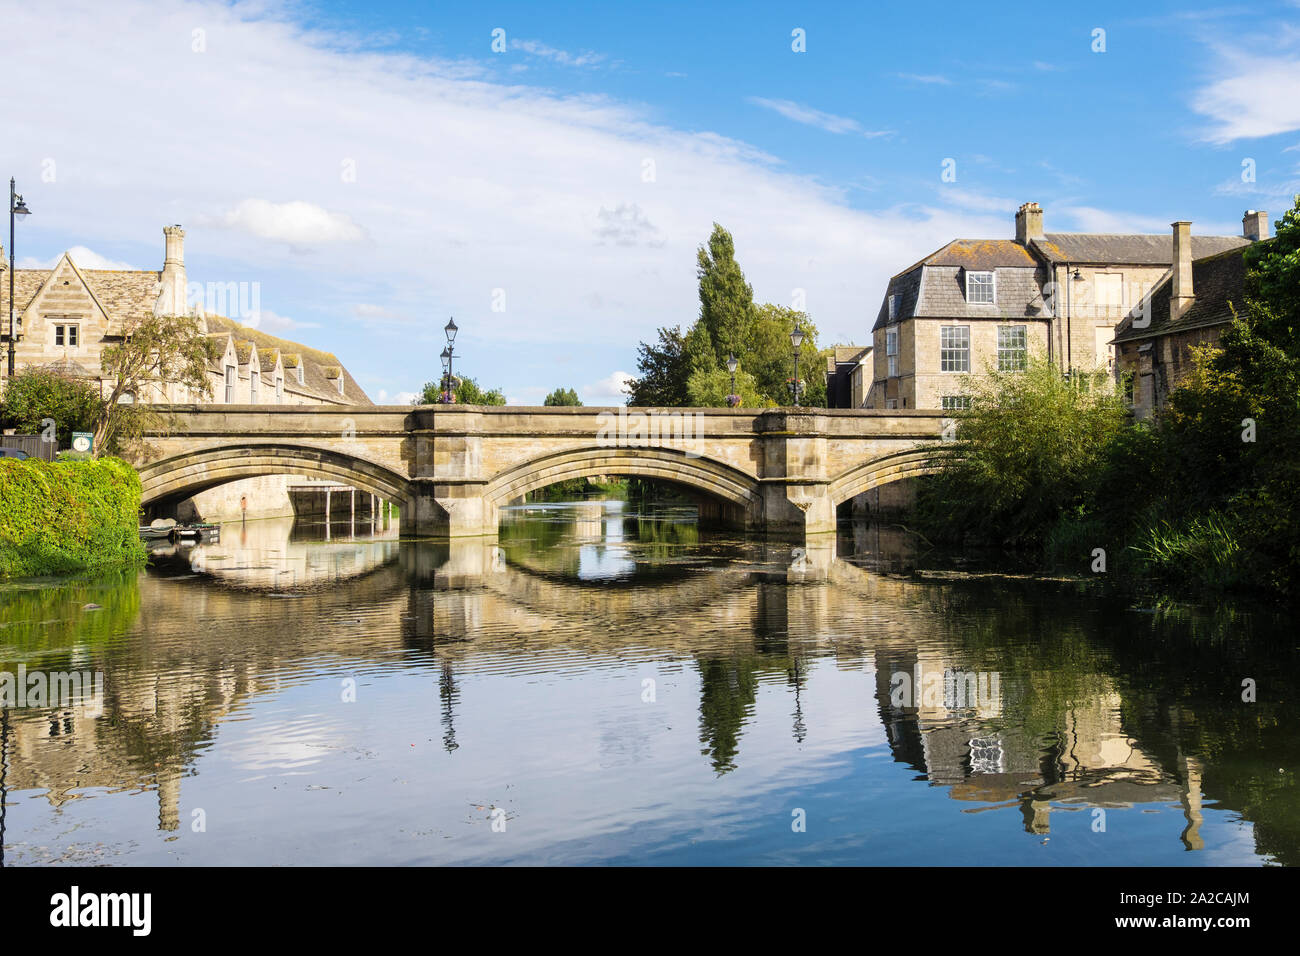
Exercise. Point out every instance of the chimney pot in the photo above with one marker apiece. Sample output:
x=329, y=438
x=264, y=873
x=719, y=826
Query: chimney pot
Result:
x=1029, y=222
x=1254, y=225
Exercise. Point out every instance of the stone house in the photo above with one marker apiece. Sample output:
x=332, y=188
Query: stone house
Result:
x=848, y=376
x=988, y=303
x=1189, y=307
x=66, y=316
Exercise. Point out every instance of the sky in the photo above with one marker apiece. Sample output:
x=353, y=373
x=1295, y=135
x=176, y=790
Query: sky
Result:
x=545, y=172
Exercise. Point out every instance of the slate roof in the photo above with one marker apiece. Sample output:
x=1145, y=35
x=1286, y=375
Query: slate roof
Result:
x=316, y=383
x=1137, y=249
x=1218, y=284
x=845, y=355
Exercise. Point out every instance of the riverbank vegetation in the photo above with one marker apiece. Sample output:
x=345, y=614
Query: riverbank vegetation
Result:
x=1202, y=498
x=68, y=516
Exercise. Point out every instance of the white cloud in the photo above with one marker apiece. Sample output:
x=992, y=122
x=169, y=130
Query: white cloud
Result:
x=1091, y=219
x=301, y=224
x=608, y=391
x=273, y=323
x=936, y=79
x=83, y=257
x=812, y=117
x=464, y=186
x=562, y=57
x=400, y=398
x=1254, y=96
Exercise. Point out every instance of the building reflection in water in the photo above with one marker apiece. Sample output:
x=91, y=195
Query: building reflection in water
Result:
x=1046, y=724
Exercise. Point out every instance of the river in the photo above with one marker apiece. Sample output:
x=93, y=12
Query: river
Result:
x=609, y=684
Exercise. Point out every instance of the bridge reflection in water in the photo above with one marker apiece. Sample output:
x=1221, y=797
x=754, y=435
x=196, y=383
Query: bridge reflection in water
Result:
x=627, y=690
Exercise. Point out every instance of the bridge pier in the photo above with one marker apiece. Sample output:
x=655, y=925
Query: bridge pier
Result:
x=448, y=510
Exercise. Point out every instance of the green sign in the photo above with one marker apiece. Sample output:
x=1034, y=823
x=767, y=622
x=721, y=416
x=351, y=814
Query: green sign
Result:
x=83, y=441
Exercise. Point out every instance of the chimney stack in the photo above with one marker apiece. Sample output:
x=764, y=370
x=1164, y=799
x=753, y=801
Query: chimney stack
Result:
x=1254, y=225
x=1029, y=223
x=172, y=298
x=1180, y=295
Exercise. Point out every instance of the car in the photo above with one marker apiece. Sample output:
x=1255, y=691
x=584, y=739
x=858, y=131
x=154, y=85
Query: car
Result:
x=14, y=453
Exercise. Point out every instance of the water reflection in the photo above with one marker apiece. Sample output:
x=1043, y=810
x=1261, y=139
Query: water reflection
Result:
x=624, y=690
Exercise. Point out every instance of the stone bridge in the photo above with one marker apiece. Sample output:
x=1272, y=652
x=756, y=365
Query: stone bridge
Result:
x=450, y=468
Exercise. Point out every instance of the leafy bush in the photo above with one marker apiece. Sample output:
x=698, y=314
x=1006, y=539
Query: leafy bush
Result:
x=1026, y=453
x=36, y=394
x=68, y=516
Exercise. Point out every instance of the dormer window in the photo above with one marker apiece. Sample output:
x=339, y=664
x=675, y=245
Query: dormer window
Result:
x=979, y=288
x=893, y=306
x=340, y=381
x=301, y=380
x=254, y=379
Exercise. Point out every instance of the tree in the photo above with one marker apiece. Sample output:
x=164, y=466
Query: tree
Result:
x=563, y=396
x=729, y=323
x=770, y=356
x=155, y=351
x=467, y=392
x=726, y=299
x=664, y=370
x=709, y=389
x=35, y=395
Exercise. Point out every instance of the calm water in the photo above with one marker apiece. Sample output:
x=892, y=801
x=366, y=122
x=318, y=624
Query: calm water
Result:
x=599, y=686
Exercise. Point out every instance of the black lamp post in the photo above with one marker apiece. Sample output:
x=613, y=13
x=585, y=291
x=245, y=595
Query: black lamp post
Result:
x=444, y=383
x=450, y=329
x=733, y=399
x=16, y=208
x=796, y=339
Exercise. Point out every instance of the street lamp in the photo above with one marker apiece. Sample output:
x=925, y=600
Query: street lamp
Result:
x=733, y=399
x=16, y=208
x=450, y=329
x=796, y=339
x=445, y=381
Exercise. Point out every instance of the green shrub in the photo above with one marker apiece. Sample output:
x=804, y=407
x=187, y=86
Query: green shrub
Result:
x=68, y=516
x=36, y=395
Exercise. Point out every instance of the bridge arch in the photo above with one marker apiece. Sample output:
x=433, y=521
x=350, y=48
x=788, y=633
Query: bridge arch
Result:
x=911, y=463
x=191, y=472
x=733, y=487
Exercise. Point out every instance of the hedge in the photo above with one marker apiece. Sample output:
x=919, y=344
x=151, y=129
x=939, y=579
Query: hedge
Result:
x=67, y=516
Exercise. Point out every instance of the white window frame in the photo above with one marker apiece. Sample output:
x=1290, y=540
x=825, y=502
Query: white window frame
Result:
x=891, y=352
x=955, y=403
x=893, y=306
x=231, y=378
x=67, y=335
x=1013, y=358
x=954, y=348
x=992, y=287
x=301, y=378
x=340, y=381
x=254, y=380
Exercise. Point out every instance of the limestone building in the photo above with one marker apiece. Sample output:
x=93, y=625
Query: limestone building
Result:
x=67, y=315
x=1189, y=307
x=976, y=304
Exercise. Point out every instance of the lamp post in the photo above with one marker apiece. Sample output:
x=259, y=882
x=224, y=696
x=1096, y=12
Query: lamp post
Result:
x=796, y=339
x=450, y=329
x=444, y=383
x=16, y=208
x=732, y=399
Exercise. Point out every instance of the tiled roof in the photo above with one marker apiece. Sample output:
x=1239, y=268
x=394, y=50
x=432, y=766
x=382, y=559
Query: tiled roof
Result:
x=1127, y=249
x=1218, y=285
x=314, y=362
x=123, y=294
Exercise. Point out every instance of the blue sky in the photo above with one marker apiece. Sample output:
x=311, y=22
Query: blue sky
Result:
x=372, y=169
